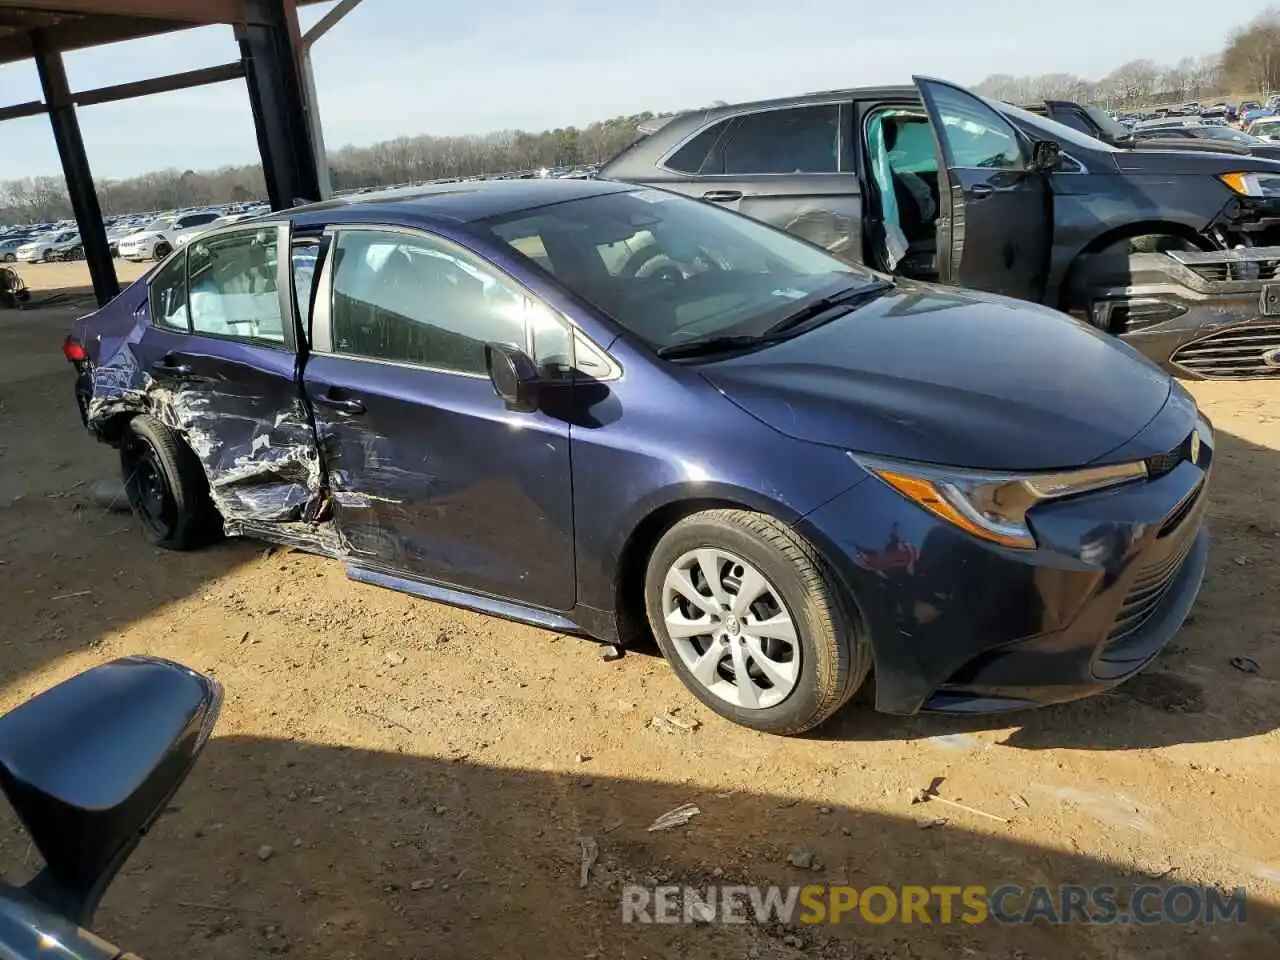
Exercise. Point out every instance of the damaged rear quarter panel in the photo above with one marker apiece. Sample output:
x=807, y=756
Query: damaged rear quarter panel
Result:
x=239, y=410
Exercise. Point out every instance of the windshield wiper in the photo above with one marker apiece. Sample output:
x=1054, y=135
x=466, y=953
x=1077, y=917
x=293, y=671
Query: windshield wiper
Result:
x=853, y=297
x=708, y=345
x=787, y=327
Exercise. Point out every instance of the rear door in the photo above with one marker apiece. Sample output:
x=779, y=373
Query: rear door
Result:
x=791, y=167
x=995, y=227
x=221, y=366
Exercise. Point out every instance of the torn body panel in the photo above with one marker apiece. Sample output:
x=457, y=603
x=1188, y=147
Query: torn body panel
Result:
x=250, y=430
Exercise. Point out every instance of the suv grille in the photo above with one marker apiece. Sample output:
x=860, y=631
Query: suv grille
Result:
x=1246, y=270
x=1234, y=354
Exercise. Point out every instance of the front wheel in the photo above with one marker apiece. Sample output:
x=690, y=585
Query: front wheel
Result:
x=46, y=257
x=10, y=258
x=166, y=487
x=753, y=622
x=162, y=250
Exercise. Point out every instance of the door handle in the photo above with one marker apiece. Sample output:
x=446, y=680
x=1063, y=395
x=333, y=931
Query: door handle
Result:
x=980, y=190
x=341, y=404
x=722, y=196
x=168, y=366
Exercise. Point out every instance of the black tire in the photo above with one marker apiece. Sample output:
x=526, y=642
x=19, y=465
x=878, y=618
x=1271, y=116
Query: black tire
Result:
x=10, y=258
x=167, y=487
x=162, y=250
x=835, y=655
x=46, y=257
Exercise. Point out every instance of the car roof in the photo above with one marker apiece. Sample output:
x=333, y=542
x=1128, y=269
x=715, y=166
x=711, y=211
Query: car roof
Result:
x=464, y=202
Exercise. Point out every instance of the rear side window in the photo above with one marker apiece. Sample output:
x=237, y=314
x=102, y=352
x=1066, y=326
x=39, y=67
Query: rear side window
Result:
x=691, y=157
x=233, y=285
x=412, y=299
x=794, y=140
x=168, y=295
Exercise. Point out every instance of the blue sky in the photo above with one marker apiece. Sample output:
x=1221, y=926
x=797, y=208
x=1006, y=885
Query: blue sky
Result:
x=405, y=67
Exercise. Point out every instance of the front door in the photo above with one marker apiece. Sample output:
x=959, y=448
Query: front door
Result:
x=221, y=363
x=995, y=227
x=790, y=167
x=431, y=476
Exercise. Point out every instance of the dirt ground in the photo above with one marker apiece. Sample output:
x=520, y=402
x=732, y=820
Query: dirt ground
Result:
x=423, y=777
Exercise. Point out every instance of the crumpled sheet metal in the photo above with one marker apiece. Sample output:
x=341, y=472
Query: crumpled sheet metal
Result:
x=261, y=463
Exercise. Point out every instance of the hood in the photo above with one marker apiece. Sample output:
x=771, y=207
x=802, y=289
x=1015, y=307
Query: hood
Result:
x=952, y=377
x=1190, y=162
x=140, y=235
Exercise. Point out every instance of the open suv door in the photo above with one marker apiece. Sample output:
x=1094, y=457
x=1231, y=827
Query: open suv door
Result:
x=995, y=223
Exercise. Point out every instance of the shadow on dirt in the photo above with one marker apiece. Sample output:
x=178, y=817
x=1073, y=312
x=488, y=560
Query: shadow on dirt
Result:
x=325, y=851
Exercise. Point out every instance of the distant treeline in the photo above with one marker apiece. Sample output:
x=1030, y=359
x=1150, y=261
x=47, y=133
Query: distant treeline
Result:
x=1249, y=61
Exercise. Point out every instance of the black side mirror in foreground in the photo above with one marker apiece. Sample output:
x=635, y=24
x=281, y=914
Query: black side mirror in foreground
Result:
x=90, y=764
x=514, y=375
x=1045, y=156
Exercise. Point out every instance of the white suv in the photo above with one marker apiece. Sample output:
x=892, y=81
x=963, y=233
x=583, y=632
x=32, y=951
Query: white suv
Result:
x=157, y=239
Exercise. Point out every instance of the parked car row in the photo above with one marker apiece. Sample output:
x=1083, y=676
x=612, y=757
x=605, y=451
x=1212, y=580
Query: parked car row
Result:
x=132, y=237
x=1174, y=251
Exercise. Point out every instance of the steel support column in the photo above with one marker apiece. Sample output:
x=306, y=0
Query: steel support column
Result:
x=272, y=48
x=75, y=168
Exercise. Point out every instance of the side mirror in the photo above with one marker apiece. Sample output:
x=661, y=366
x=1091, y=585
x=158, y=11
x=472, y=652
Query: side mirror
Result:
x=89, y=765
x=514, y=376
x=1045, y=156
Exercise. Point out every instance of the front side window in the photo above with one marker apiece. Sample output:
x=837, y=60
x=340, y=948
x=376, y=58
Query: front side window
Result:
x=670, y=269
x=974, y=134
x=794, y=140
x=168, y=295
x=233, y=285
x=414, y=299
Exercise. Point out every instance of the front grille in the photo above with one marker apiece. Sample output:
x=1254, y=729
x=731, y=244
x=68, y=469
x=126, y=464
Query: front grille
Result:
x=1244, y=270
x=1145, y=594
x=1237, y=353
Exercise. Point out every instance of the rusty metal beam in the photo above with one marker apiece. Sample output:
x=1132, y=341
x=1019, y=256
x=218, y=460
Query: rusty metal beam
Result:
x=32, y=108
x=175, y=81
x=187, y=11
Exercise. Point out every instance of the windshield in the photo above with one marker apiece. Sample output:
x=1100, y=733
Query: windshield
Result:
x=671, y=269
x=164, y=223
x=1050, y=129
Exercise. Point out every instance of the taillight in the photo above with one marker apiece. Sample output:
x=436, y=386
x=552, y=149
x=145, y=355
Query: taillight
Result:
x=73, y=350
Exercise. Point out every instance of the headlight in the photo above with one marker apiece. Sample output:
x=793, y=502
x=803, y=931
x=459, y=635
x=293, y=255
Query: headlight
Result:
x=992, y=506
x=1253, y=184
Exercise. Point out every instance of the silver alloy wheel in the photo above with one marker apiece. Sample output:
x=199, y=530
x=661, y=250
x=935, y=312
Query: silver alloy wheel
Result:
x=731, y=628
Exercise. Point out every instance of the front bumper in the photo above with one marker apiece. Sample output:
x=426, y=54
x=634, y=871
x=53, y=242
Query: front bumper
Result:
x=1201, y=315
x=960, y=625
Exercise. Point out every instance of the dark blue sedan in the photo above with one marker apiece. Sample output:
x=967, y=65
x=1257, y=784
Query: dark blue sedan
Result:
x=613, y=410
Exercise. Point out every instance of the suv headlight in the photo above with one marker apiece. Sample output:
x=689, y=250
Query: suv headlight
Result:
x=1253, y=184
x=992, y=506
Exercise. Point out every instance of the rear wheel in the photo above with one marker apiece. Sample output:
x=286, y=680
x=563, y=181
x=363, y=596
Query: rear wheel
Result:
x=166, y=487
x=753, y=622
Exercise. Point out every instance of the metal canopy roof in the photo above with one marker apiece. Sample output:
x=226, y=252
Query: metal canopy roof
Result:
x=75, y=24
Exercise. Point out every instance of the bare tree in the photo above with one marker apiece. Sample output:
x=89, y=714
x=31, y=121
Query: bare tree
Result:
x=1251, y=60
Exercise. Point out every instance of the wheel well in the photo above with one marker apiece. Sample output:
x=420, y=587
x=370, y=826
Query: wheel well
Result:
x=113, y=429
x=629, y=585
x=1154, y=229
x=1146, y=228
